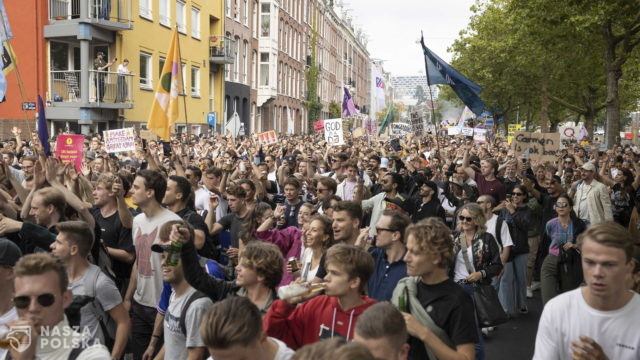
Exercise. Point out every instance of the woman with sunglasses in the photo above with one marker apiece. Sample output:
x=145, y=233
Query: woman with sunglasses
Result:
x=561, y=233
x=481, y=260
x=513, y=283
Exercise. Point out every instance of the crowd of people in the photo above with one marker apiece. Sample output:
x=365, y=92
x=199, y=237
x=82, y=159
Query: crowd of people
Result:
x=228, y=248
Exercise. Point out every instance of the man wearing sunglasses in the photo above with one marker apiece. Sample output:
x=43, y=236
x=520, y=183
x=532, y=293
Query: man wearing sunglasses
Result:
x=9, y=255
x=41, y=295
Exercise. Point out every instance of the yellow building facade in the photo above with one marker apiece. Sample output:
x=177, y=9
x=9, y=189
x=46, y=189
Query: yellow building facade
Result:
x=200, y=25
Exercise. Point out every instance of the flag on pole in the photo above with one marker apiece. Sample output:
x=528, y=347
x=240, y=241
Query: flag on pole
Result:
x=439, y=72
x=5, y=28
x=43, y=132
x=387, y=119
x=583, y=132
x=164, y=109
x=377, y=88
x=348, y=108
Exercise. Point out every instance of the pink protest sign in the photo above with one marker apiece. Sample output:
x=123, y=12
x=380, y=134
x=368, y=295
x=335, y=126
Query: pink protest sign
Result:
x=70, y=149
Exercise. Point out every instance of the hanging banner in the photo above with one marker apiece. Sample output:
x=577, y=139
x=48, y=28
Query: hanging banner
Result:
x=541, y=147
x=119, y=140
x=268, y=137
x=480, y=136
x=70, y=149
x=333, y=134
x=398, y=129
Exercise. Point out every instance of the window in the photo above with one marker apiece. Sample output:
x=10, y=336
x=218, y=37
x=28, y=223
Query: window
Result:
x=180, y=17
x=236, y=62
x=184, y=79
x=245, y=64
x=161, y=62
x=245, y=12
x=236, y=10
x=265, y=19
x=254, y=68
x=145, y=9
x=165, y=12
x=195, y=22
x=254, y=25
x=227, y=7
x=145, y=70
x=195, y=81
x=264, y=69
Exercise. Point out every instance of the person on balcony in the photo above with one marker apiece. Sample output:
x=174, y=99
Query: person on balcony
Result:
x=101, y=66
x=123, y=92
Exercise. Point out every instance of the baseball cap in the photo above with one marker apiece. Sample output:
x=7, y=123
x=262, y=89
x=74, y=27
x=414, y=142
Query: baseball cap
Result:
x=589, y=166
x=100, y=53
x=9, y=252
x=290, y=158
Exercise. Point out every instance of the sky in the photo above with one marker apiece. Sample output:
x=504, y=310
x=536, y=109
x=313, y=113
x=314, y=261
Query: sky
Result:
x=394, y=29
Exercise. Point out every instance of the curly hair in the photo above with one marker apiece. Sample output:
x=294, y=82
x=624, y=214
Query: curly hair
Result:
x=266, y=259
x=476, y=213
x=253, y=221
x=433, y=236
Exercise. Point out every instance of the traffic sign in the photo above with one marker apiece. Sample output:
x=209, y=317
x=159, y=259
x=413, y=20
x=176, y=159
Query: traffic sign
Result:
x=29, y=105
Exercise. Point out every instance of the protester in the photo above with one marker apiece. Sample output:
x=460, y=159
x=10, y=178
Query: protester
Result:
x=382, y=329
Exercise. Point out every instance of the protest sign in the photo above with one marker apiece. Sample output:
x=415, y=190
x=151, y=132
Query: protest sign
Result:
x=569, y=132
x=119, y=140
x=540, y=146
x=318, y=126
x=70, y=149
x=268, y=137
x=333, y=134
x=398, y=129
x=358, y=132
x=453, y=131
x=148, y=135
x=511, y=131
x=480, y=136
x=466, y=131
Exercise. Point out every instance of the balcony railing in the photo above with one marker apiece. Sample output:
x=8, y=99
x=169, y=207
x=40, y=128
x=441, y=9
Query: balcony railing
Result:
x=106, y=10
x=104, y=87
x=222, y=50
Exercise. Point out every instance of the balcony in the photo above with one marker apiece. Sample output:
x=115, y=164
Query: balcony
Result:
x=222, y=50
x=108, y=14
x=108, y=90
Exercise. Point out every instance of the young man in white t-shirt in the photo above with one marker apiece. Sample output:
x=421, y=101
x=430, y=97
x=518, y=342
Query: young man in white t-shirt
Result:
x=232, y=329
x=598, y=321
x=145, y=285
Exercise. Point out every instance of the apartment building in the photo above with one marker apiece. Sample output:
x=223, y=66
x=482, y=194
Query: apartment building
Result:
x=81, y=35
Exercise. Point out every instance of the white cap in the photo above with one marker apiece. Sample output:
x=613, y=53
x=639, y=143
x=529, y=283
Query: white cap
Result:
x=384, y=163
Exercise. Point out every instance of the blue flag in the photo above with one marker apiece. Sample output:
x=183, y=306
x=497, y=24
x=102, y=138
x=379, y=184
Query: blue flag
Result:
x=439, y=72
x=43, y=132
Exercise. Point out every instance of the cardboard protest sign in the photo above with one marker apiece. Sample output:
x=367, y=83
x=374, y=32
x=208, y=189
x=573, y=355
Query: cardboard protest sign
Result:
x=333, y=134
x=148, y=135
x=268, y=137
x=70, y=149
x=541, y=147
x=480, y=135
x=398, y=129
x=119, y=140
x=358, y=132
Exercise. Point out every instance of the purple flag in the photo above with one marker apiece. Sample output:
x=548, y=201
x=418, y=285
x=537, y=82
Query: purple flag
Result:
x=348, y=108
x=583, y=133
x=43, y=132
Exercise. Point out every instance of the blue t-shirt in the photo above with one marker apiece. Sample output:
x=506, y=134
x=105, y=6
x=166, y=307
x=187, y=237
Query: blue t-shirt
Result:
x=385, y=276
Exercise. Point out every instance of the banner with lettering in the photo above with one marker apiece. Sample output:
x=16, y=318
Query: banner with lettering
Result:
x=540, y=146
x=119, y=140
x=70, y=149
x=268, y=137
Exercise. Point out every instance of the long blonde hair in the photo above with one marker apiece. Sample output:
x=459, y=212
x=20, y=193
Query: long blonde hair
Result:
x=477, y=214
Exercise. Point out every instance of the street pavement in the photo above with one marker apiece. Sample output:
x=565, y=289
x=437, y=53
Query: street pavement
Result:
x=515, y=339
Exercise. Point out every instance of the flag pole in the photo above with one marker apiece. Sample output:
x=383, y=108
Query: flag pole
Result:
x=184, y=91
x=433, y=110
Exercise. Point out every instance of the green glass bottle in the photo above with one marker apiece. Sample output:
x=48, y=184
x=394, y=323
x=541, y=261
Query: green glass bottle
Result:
x=174, y=253
x=402, y=306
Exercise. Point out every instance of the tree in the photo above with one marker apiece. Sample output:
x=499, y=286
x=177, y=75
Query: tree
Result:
x=420, y=95
x=313, y=104
x=335, y=110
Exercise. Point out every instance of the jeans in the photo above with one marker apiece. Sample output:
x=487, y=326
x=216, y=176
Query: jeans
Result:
x=513, y=284
x=550, y=284
x=142, y=321
x=480, y=344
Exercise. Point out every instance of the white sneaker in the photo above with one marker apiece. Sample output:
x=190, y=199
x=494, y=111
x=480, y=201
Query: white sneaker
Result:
x=529, y=293
x=485, y=331
x=535, y=285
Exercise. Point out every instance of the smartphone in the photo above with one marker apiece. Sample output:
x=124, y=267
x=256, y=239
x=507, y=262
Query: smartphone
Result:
x=166, y=148
x=144, y=144
x=361, y=173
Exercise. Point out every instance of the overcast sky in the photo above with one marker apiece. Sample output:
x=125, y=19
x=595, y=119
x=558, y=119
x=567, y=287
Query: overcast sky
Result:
x=394, y=26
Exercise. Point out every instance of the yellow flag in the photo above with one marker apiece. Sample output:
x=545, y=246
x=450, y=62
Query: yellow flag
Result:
x=164, y=109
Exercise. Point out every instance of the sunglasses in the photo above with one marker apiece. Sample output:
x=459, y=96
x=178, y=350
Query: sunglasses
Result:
x=23, y=302
x=464, y=218
x=517, y=194
x=562, y=204
x=378, y=230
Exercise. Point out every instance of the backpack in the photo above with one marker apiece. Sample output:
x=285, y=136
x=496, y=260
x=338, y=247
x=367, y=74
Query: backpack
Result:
x=74, y=314
x=183, y=315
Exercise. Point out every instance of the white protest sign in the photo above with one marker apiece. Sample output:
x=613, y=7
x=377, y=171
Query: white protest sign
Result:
x=333, y=134
x=453, y=130
x=398, y=129
x=480, y=135
x=119, y=140
x=569, y=132
x=466, y=131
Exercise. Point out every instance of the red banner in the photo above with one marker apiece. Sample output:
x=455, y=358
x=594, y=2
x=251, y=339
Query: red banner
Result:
x=318, y=126
x=70, y=149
